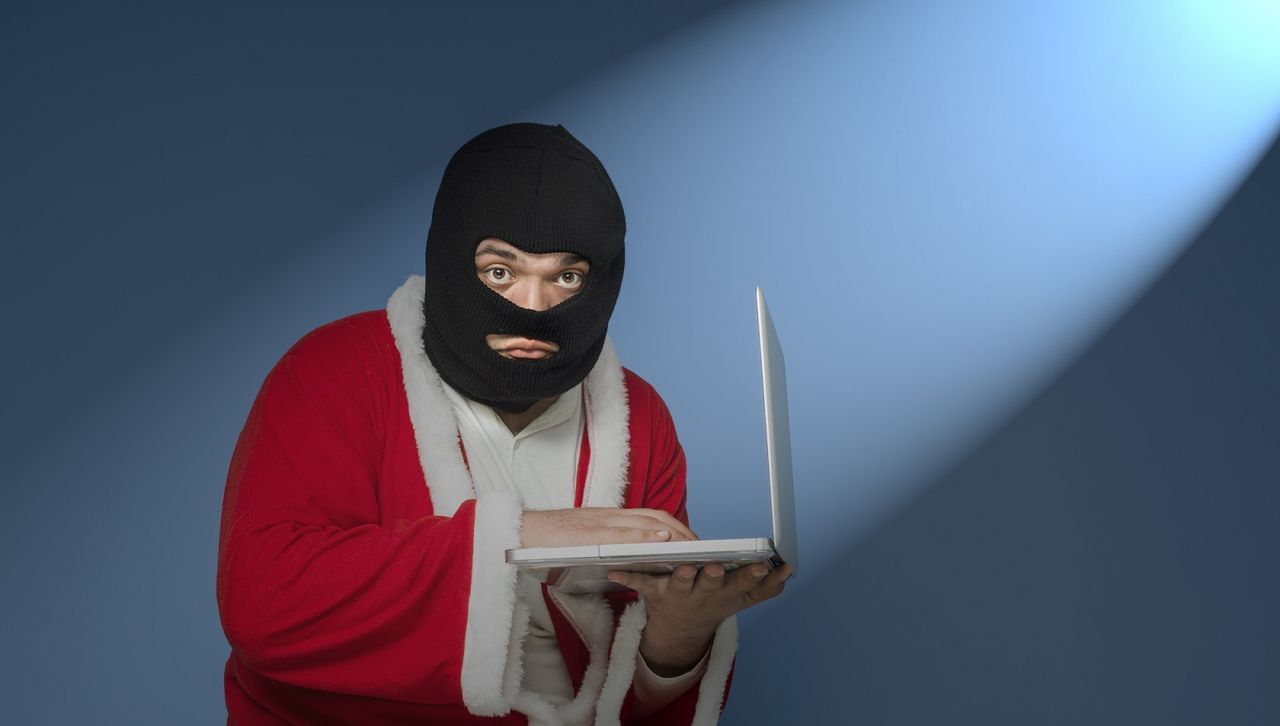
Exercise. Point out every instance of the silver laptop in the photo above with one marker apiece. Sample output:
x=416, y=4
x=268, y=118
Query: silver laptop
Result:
x=583, y=568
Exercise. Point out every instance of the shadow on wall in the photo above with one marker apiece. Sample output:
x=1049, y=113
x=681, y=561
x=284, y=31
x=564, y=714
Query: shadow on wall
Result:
x=167, y=157
x=1107, y=557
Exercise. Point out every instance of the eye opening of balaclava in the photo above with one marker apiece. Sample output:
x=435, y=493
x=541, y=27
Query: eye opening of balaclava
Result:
x=537, y=188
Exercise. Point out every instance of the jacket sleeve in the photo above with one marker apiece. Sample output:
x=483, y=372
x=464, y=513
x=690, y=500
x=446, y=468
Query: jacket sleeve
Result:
x=663, y=467
x=314, y=589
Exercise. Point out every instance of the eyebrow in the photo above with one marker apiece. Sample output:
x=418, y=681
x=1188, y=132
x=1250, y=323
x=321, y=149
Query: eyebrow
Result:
x=567, y=259
x=491, y=250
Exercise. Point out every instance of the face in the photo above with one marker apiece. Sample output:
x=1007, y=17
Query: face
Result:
x=534, y=281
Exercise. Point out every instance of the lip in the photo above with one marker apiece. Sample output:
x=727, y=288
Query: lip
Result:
x=529, y=344
x=526, y=353
x=527, y=349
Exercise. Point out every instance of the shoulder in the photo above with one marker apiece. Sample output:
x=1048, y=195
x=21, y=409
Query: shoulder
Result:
x=645, y=404
x=345, y=335
x=638, y=389
x=361, y=340
x=358, y=346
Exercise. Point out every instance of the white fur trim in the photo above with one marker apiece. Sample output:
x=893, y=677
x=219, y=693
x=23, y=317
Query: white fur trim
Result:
x=711, y=693
x=622, y=668
x=592, y=618
x=434, y=428
x=540, y=711
x=491, y=607
x=607, y=417
x=514, y=676
x=622, y=664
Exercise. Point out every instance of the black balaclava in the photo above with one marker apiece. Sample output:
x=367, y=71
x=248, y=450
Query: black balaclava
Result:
x=537, y=188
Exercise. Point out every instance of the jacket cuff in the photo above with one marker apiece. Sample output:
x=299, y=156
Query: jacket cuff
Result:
x=491, y=603
x=652, y=692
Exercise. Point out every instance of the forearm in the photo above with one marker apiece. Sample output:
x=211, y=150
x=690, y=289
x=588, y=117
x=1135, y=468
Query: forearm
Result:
x=362, y=610
x=671, y=650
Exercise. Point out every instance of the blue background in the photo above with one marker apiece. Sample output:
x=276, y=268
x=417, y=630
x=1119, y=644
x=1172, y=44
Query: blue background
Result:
x=1022, y=256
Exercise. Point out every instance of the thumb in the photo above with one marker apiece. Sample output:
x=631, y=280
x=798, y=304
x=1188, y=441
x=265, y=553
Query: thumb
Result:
x=646, y=585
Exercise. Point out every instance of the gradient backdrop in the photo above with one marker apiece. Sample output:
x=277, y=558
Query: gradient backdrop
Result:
x=1022, y=255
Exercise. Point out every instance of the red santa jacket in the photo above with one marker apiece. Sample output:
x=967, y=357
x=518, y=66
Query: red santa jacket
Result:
x=362, y=580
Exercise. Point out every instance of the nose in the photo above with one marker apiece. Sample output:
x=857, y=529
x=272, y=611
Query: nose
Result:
x=530, y=295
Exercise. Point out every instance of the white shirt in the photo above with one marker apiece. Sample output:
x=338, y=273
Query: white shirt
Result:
x=540, y=464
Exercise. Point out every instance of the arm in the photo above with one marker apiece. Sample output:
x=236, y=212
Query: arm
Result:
x=658, y=481
x=314, y=589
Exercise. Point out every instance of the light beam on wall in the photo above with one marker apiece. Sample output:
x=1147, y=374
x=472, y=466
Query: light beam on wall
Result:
x=945, y=204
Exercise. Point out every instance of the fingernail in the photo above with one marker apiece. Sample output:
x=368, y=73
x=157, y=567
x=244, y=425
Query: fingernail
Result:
x=663, y=534
x=758, y=572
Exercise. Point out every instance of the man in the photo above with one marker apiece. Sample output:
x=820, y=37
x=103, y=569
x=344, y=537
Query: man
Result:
x=392, y=457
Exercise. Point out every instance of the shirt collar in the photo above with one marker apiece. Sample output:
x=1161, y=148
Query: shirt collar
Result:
x=564, y=409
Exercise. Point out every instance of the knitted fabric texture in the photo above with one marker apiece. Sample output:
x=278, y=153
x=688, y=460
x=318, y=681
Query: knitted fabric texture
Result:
x=540, y=189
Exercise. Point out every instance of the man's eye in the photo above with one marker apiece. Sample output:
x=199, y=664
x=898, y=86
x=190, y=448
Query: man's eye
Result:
x=497, y=274
x=570, y=278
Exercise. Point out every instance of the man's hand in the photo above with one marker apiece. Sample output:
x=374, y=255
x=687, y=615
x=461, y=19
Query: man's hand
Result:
x=686, y=606
x=600, y=525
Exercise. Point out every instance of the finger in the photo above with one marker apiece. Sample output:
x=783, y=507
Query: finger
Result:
x=666, y=520
x=641, y=518
x=682, y=580
x=747, y=577
x=649, y=524
x=769, y=587
x=779, y=575
x=606, y=535
x=775, y=579
x=626, y=535
x=647, y=585
x=679, y=532
x=711, y=578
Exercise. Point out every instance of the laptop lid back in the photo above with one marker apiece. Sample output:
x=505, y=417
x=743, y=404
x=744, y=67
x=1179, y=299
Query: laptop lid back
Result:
x=777, y=438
